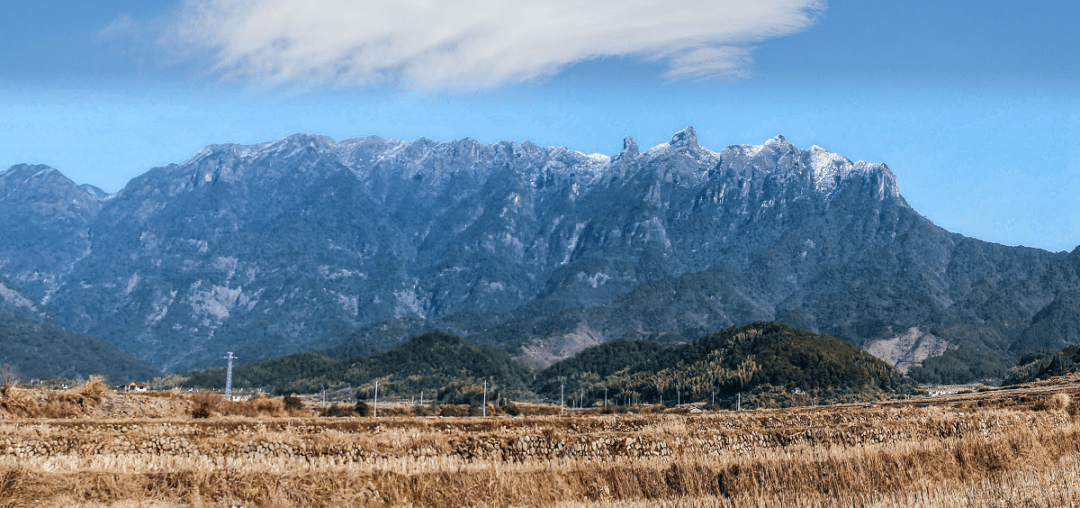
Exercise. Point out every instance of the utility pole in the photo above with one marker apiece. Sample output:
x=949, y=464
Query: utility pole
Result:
x=605, y=397
x=738, y=402
x=228, y=376
x=562, y=400
x=375, y=408
x=485, y=398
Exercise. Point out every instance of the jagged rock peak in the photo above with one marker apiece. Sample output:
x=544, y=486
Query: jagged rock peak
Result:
x=629, y=147
x=685, y=138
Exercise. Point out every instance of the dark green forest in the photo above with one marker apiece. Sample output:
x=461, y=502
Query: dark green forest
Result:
x=767, y=362
x=444, y=366
x=963, y=365
x=39, y=350
x=1043, y=364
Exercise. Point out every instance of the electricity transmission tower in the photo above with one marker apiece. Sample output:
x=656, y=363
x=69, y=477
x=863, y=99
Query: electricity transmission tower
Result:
x=228, y=376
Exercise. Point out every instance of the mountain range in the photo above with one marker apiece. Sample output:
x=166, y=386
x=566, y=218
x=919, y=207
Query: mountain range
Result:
x=306, y=243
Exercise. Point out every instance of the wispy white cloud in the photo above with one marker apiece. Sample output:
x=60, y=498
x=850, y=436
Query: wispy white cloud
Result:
x=121, y=24
x=477, y=43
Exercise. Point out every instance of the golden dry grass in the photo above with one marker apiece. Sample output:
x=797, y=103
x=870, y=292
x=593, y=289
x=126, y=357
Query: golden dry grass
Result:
x=984, y=448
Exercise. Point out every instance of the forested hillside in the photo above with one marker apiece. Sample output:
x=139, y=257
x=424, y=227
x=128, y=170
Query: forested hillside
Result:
x=444, y=366
x=38, y=351
x=767, y=363
x=764, y=362
x=1045, y=364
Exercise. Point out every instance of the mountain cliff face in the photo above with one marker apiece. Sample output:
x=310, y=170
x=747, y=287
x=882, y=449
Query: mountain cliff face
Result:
x=293, y=245
x=44, y=227
x=15, y=303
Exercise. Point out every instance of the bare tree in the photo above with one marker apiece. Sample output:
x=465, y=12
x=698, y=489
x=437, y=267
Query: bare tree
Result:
x=9, y=374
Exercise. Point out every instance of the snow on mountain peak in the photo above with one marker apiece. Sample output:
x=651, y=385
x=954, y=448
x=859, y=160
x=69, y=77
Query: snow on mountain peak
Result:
x=822, y=170
x=825, y=171
x=598, y=158
x=828, y=169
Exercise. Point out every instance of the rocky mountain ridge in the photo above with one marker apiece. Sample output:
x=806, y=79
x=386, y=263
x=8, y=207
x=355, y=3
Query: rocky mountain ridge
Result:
x=301, y=243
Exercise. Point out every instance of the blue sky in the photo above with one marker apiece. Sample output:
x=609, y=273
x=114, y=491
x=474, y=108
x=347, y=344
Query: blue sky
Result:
x=972, y=104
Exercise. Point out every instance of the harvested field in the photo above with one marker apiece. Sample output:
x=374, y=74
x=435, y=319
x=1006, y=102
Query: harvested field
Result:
x=1016, y=447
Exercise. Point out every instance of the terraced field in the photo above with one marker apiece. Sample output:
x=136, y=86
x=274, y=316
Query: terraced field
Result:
x=989, y=448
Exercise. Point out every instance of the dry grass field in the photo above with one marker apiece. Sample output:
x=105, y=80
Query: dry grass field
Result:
x=92, y=447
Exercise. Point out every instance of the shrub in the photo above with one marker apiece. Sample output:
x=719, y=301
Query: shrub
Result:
x=205, y=404
x=453, y=410
x=362, y=409
x=425, y=410
x=95, y=389
x=293, y=403
x=201, y=410
x=1056, y=402
x=264, y=405
x=338, y=411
